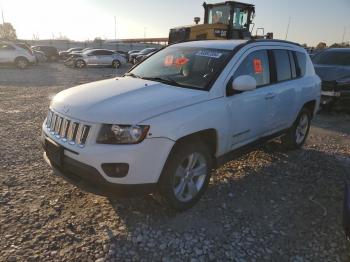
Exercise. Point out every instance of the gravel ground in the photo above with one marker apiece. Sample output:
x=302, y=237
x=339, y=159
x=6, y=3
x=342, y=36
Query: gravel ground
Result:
x=269, y=205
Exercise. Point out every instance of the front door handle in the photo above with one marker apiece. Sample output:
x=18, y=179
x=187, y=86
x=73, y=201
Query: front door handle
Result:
x=270, y=96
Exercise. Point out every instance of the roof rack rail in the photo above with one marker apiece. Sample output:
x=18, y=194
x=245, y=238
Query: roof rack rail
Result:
x=272, y=40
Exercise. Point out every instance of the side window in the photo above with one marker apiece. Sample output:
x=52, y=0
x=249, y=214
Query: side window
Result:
x=282, y=65
x=6, y=47
x=301, y=63
x=256, y=65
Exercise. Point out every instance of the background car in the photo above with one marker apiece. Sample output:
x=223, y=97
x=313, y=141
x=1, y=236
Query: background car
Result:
x=140, y=58
x=11, y=53
x=333, y=67
x=132, y=52
x=65, y=54
x=40, y=56
x=50, y=52
x=97, y=57
x=146, y=51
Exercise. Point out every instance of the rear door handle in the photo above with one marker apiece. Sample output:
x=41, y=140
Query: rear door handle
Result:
x=270, y=96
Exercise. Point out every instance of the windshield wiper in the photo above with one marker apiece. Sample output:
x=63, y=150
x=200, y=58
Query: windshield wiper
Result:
x=167, y=81
x=132, y=75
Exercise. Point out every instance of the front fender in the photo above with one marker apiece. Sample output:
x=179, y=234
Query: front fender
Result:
x=210, y=114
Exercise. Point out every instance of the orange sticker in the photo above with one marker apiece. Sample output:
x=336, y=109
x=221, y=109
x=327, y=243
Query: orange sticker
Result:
x=168, y=61
x=258, y=68
x=181, y=61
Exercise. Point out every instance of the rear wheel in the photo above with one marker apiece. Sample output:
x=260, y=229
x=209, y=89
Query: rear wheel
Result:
x=116, y=64
x=186, y=175
x=22, y=63
x=80, y=63
x=296, y=136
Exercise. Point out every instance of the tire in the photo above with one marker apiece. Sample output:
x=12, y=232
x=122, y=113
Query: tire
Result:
x=21, y=62
x=116, y=64
x=297, y=134
x=186, y=175
x=80, y=63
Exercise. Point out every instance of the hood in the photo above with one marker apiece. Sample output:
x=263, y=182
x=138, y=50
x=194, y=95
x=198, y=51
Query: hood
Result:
x=123, y=100
x=331, y=72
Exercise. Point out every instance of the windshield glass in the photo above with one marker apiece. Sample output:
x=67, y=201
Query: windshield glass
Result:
x=340, y=58
x=219, y=14
x=183, y=66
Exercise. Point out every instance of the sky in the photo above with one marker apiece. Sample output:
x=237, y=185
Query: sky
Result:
x=312, y=21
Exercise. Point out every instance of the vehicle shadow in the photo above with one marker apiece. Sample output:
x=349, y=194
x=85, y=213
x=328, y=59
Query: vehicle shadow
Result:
x=338, y=122
x=276, y=195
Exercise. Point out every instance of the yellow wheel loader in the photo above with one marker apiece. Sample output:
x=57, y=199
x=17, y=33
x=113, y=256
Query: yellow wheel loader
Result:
x=227, y=20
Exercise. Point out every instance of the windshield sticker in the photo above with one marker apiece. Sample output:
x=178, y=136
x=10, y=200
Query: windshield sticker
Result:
x=211, y=54
x=168, y=61
x=181, y=61
x=258, y=68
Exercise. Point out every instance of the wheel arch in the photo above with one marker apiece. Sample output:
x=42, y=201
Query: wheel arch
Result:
x=207, y=136
x=21, y=57
x=311, y=106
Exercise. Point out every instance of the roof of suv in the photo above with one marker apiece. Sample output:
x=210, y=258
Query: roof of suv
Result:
x=230, y=44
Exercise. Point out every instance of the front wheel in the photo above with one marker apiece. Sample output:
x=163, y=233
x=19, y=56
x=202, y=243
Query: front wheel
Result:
x=80, y=63
x=22, y=63
x=296, y=136
x=116, y=64
x=186, y=175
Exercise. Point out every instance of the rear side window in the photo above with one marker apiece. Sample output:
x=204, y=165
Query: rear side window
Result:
x=300, y=63
x=256, y=65
x=283, y=68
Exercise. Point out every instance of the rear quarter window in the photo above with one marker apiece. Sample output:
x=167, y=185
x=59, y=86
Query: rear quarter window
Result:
x=283, y=66
x=300, y=63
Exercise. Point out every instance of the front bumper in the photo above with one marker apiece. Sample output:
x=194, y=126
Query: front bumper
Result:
x=145, y=160
x=89, y=179
x=339, y=99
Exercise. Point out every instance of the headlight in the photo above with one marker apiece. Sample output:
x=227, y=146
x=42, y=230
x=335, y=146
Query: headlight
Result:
x=122, y=134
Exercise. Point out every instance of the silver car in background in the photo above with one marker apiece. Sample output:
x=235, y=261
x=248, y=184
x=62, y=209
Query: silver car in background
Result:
x=11, y=53
x=96, y=57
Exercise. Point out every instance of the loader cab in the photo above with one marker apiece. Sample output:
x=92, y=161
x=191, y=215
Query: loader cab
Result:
x=236, y=16
x=227, y=20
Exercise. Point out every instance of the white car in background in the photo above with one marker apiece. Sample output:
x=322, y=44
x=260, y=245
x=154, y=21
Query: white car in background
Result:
x=10, y=53
x=97, y=57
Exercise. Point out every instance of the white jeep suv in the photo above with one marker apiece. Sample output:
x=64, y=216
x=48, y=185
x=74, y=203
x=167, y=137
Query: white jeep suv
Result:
x=185, y=110
x=10, y=53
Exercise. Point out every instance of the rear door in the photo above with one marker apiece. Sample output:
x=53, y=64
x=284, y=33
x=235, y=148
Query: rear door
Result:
x=281, y=94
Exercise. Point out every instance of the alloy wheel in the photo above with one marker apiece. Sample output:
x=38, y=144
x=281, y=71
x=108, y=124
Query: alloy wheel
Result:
x=302, y=127
x=190, y=177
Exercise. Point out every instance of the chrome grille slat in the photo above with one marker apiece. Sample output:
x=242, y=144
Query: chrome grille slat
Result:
x=66, y=129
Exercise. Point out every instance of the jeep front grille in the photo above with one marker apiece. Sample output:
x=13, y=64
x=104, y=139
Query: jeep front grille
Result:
x=68, y=130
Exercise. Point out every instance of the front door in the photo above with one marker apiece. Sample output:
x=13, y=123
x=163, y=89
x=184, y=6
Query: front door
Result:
x=248, y=110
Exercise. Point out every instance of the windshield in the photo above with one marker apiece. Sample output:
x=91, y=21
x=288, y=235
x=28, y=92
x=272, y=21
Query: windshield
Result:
x=183, y=66
x=219, y=14
x=339, y=58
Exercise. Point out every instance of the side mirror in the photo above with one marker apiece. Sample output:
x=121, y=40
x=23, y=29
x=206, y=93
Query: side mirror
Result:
x=244, y=83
